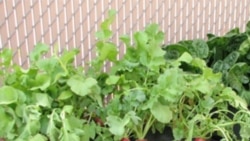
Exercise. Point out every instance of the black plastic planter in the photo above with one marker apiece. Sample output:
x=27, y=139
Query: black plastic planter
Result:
x=167, y=135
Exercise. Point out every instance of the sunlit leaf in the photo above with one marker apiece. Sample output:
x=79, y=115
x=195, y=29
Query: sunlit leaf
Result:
x=38, y=51
x=81, y=87
x=8, y=95
x=161, y=112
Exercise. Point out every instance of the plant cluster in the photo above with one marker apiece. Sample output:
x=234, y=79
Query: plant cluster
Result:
x=184, y=86
x=228, y=54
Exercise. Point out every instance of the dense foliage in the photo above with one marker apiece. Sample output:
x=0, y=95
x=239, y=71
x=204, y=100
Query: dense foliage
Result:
x=149, y=88
x=228, y=54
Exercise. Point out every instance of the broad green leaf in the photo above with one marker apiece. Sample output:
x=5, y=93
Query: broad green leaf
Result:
x=129, y=65
x=65, y=95
x=95, y=95
x=174, y=51
x=42, y=82
x=72, y=128
x=116, y=125
x=159, y=38
x=68, y=56
x=245, y=46
x=38, y=51
x=237, y=76
x=233, y=32
x=81, y=87
x=199, y=48
x=202, y=86
x=185, y=57
x=10, y=79
x=171, y=95
x=152, y=29
x=144, y=58
x=44, y=120
x=207, y=103
x=38, y=137
x=178, y=133
x=156, y=63
x=66, y=129
x=31, y=128
x=229, y=95
x=154, y=49
x=89, y=131
x=245, y=94
x=68, y=109
x=172, y=78
x=218, y=66
x=58, y=72
x=52, y=131
x=132, y=115
x=107, y=50
x=210, y=76
x=32, y=112
x=74, y=137
x=52, y=67
x=141, y=39
x=135, y=97
x=231, y=59
x=233, y=81
x=5, y=56
x=8, y=95
x=125, y=39
x=244, y=130
x=170, y=85
x=7, y=122
x=197, y=62
x=112, y=79
x=43, y=99
x=47, y=65
x=161, y=112
x=139, y=95
x=103, y=34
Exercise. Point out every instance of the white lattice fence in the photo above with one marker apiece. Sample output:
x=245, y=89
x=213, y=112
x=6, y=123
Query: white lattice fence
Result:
x=72, y=23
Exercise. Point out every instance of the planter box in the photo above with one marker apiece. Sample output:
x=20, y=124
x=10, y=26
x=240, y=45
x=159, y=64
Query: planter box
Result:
x=167, y=135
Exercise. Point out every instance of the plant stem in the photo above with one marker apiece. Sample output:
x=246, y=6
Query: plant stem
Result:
x=90, y=117
x=148, y=125
x=146, y=78
x=180, y=110
x=138, y=131
x=221, y=130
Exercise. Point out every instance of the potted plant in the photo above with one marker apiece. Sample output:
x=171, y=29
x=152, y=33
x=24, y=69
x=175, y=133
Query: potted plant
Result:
x=133, y=109
x=204, y=106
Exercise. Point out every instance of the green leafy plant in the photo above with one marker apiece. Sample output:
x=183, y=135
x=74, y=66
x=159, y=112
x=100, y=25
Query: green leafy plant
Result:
x=180, y=93
x=228, y=54
x=49, y=100
x=204, y=105
x=5, y=63
x=129, y=82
